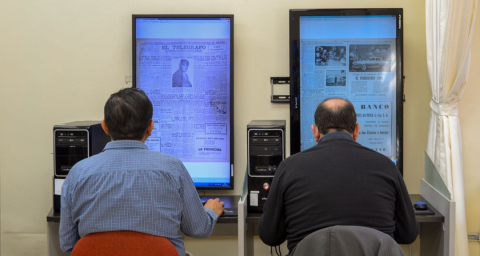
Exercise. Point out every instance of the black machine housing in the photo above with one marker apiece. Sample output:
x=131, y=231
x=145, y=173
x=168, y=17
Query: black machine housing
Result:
x=73, y=142
x=265, y=151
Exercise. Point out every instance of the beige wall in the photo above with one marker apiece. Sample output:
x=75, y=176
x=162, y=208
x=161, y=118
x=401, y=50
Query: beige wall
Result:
x=61, y=59
x=470, y=121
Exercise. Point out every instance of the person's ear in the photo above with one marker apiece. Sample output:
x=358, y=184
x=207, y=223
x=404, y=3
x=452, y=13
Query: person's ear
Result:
x=316, y=133
x=105, y=128
x=150, y=128
x=356, y=132
x=148, y=132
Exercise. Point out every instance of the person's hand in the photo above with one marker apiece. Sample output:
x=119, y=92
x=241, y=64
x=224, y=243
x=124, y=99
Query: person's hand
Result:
x=216, y=205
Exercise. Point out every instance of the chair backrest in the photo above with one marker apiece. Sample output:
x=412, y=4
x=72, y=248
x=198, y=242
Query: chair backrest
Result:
x=123, y=243
x=348, y=240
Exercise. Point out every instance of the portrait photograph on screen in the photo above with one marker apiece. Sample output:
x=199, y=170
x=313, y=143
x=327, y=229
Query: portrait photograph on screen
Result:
x=354, y=54
x=184, y=63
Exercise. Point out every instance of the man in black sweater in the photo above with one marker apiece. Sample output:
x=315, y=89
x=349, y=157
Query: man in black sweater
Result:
x=337, y=182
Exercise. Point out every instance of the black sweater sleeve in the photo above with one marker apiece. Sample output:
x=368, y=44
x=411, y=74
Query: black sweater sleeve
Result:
x=271, y=227
x=406, y=228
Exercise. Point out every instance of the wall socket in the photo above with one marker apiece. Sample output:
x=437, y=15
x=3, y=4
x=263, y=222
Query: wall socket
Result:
x=473, y=237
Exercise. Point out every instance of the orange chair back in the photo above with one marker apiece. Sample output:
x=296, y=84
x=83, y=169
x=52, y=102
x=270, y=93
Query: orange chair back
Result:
x=123, y=243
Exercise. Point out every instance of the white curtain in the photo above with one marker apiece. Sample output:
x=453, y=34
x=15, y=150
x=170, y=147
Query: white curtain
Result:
x=449, y=28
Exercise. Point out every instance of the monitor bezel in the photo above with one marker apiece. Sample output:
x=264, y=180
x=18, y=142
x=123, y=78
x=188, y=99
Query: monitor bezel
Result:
x=196, y=16
x=294, y=58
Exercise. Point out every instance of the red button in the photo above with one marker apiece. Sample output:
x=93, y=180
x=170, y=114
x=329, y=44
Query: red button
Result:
x=266, y=186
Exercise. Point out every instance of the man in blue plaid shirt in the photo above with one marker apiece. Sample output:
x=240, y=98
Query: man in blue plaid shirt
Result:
x=128, y=187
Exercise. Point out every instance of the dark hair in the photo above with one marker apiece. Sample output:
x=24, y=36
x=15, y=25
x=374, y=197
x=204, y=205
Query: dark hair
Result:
x=128, y=114
x=184, y=61
x=340, y=118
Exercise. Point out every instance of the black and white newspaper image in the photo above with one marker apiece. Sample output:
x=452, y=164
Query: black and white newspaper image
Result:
x=370, y=58
x=336, y=77
x=180, y=76
x=188, y=82
x=330, y=55
x=368, y=81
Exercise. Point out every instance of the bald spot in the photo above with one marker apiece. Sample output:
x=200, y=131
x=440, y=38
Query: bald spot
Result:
x=335, y=104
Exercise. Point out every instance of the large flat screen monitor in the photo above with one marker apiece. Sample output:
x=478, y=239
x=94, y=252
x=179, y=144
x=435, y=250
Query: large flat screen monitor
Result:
x=356, y=54
x=184, y=63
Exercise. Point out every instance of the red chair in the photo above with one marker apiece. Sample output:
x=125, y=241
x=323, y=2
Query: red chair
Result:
x=123, y=243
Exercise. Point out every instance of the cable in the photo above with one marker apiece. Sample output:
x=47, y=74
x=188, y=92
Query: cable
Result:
x=279, y=253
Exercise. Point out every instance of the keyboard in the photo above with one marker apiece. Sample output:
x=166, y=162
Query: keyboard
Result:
x=231, y=209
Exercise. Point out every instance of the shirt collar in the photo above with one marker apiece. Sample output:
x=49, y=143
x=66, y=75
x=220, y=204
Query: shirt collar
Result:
x=119, y=144
x=336, y=135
